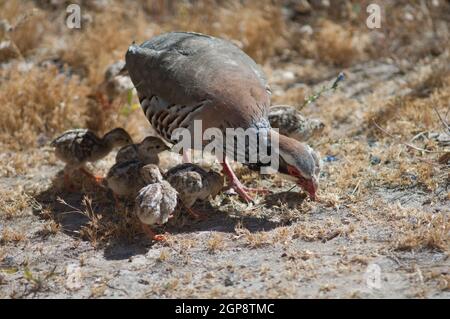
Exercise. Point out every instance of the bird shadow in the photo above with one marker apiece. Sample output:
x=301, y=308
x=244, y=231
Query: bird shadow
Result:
x=216, y=219
x=62, y=205
x=291, y=199
x=74, y=214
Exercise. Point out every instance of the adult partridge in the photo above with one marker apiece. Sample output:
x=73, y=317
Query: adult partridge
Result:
x=181, y=77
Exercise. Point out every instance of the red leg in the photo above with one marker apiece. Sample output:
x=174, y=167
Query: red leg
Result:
x=235, y=182
x=147, y=230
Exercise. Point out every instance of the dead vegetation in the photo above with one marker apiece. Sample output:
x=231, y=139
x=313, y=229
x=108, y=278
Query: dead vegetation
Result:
x=386, y=157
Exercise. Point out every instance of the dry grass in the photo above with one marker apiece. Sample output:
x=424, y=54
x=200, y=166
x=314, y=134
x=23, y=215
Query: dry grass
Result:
x=338, y=46
x=54, y=84
x=163, y=255
x=39, y=102
x=256, y=26
x=29, y=25
x=9, y=235
x=416, y=229
x=215, y=243
x=253, y=239
x=13, y=204
x=102, y=225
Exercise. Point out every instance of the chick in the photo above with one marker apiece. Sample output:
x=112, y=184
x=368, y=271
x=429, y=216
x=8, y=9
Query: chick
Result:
x=125, y=179
x=194, y=183
x=155, y=203
x=116, y=84
x=291, y=123
x=146, y=151
x=79, y=146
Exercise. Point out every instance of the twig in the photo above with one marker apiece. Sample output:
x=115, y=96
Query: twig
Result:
x=417, y=136
x=291, y=188
x=357, y=186
x=324, y=89
x=440, y=118
x=116, y=288
x=404, y=143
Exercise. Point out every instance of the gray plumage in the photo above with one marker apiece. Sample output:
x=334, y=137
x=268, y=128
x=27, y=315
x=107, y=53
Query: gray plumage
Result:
x=181, y=77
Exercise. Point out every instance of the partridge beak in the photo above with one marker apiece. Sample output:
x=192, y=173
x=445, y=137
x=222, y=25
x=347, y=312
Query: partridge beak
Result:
x=310, y=186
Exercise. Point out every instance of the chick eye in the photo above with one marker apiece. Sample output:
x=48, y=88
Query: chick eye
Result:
x=158, y=146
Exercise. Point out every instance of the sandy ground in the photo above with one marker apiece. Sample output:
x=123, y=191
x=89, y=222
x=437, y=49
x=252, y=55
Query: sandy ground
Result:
x=283, y=246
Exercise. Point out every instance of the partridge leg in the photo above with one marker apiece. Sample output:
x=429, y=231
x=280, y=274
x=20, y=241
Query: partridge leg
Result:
x=150, y=233
x=235, y=182
x=96, y=178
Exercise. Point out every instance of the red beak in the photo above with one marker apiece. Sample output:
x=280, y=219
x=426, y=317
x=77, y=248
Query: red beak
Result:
x=309, y=185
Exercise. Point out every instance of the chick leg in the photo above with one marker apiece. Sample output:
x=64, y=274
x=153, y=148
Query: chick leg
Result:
x=67, y=182
x=117, y=203
x=194, y=214
x=96, y=178
x=150, y=233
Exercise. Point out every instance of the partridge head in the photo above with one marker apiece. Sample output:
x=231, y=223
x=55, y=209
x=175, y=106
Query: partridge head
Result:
x=117, y=137
x=299, y=163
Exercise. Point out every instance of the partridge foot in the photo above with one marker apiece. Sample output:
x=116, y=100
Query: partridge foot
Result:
x=235, y=183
